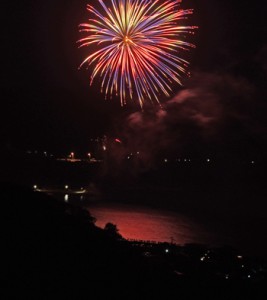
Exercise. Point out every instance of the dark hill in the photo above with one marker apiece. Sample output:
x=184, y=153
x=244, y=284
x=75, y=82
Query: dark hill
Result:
x=54, y=248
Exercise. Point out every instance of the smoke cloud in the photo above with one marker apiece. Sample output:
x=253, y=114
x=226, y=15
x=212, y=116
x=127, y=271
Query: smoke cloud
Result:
x=214, y=114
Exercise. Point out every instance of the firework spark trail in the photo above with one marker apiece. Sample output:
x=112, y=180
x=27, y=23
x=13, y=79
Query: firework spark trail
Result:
x=137, y=42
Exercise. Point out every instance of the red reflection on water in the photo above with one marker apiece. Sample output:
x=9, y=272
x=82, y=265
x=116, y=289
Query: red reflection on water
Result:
x=148, y=224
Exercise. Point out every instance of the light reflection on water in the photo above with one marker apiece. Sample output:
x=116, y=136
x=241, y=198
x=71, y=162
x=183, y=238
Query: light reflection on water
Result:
x=135, y=222
x=145, y=223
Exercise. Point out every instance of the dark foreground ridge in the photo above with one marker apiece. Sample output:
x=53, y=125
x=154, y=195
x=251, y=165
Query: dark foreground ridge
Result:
x=53, y=249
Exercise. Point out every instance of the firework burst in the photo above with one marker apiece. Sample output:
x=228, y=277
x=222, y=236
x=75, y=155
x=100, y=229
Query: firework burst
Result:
x=138, y=47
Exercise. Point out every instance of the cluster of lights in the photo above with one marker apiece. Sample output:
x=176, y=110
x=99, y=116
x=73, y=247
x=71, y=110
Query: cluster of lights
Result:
x=226, y=276
x=183, y=160
x=206, y=256
x=35, y=152
x=66, y=188
x=186, y=160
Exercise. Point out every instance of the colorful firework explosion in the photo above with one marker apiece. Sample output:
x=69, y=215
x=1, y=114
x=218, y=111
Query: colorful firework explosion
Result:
x=138, y=43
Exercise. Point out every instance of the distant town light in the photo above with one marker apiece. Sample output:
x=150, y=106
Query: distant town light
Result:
x=104, y=148
x=35, y=187
x=253, y=162
x=249, y=276
x=208, y=160
x=66, y=198
x=165, y=160
x=166, y=250
x=66, y=187
x=239, y=256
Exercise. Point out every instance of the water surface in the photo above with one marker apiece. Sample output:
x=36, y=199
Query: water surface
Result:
x=143, y=223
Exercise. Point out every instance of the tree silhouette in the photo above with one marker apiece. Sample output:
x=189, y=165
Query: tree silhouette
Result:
x=112, y=230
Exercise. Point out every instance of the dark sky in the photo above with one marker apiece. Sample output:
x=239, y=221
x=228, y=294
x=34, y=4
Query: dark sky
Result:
x=48, y=104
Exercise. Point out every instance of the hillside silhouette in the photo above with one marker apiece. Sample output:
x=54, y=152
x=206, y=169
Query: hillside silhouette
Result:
x=53, y=249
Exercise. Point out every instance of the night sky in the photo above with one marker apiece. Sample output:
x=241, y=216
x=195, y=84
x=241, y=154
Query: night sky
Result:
x=47, y=103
